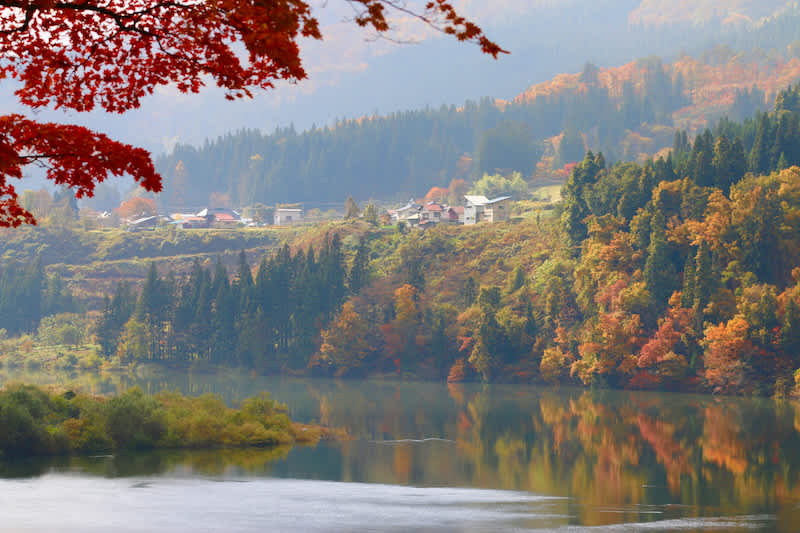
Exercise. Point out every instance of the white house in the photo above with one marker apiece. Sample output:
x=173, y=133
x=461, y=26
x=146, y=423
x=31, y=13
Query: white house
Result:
x=408, y=213
x=285, y=216
x=481, y=209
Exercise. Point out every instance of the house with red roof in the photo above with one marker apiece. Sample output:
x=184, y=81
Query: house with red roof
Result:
x=432, y=212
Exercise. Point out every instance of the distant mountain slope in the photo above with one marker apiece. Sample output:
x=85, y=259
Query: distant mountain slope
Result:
x=627, y=112
x=351, y=78
x=698, y=12
x=713, y=84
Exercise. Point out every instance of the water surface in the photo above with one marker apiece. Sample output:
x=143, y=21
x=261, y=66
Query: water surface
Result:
x=433, y=457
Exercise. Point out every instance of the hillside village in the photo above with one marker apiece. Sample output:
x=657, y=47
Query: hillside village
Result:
x=476, y=209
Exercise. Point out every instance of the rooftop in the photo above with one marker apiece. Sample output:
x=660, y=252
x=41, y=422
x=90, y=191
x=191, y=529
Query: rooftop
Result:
x=498, y=199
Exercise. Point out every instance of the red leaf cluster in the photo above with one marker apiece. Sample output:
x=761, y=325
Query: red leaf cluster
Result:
x=73, y=155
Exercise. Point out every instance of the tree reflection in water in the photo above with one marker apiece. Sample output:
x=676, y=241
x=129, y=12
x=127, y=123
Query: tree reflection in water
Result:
x=613, y=454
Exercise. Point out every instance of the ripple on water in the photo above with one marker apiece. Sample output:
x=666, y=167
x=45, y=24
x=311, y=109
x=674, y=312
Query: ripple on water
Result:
x=68, y=503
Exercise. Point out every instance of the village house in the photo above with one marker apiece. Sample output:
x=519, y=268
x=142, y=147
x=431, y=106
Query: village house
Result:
x=286, y=215
x=409, y=213
x=477, y=209
x=481, y=209
x=431, y=212
x=193, y=222
x=221, y=217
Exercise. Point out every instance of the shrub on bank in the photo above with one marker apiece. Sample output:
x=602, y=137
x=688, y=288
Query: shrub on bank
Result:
x=34, y=421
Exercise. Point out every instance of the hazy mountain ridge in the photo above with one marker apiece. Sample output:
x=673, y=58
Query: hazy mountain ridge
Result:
x=628, y=112
x=698, y=12
x=711, y=82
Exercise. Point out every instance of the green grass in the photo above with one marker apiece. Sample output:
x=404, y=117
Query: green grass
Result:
x=548, y=193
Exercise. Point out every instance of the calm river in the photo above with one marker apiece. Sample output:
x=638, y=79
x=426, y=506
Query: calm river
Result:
x=433, y=457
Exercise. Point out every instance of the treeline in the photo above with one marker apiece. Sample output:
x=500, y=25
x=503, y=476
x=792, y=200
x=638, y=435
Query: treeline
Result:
x=698, y=287
x=681, y=274
x=718, y=158
x=768, y=142
x=270, y=321
x=27, y=295
x=685, y=273
x=406, y=153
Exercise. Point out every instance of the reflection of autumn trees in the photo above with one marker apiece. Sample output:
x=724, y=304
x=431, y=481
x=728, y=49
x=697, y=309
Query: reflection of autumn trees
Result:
x=609, y=448
x=600, y=448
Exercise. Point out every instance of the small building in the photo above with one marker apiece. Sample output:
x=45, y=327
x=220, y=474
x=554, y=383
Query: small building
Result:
x=432, y=212
x=220, y=217
x=497, y=209
x=481, y=209
x=193, y=222
x=226, y=220
x=285, y=216
x=408, y=213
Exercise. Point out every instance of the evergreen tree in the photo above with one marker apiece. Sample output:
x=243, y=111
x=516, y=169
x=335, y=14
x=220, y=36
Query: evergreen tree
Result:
x=790, y=331
x=244, y=275
x=516, y=280
x=359, y=273
x=116, y=312
x=737, y=163
x=351, y=209
x=469, y=291
x=782, y=163
x=371, y=213
x=704, y=278
x=701, y=158
x=575, y=210
x=786, y=141
x=723, y=153
x=660, y=276
x=688, y=290
x=571, y=148
x=224, y=314
x=759, y=153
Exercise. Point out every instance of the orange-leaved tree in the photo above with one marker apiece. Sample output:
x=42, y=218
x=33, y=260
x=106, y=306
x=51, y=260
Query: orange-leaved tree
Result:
x=137, y=206
x=81, y=54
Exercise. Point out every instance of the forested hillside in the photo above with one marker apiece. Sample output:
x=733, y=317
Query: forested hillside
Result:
x=679, y=273
x=627, y=112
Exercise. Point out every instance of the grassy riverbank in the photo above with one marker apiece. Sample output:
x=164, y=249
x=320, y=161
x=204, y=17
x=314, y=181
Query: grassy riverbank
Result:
x=35, y=421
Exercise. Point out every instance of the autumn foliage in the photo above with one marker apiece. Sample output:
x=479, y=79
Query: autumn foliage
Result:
x=137, y=206
x=79, y=55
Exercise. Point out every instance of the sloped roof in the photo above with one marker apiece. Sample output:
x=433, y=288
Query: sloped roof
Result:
x=475, y=199
x=498, y=199
x=225, y=217
x=143, y=220
x=408, y=207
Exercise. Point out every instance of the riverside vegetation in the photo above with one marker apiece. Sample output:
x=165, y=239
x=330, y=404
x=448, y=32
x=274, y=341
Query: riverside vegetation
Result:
x=37, y=421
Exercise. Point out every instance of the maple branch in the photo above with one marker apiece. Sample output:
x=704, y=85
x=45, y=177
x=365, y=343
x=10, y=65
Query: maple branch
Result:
x=75, y=156
x=119, y=18
x=29, y=11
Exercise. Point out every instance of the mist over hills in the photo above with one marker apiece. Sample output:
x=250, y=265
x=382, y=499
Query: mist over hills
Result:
x=628, y=112
x=351, y=77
